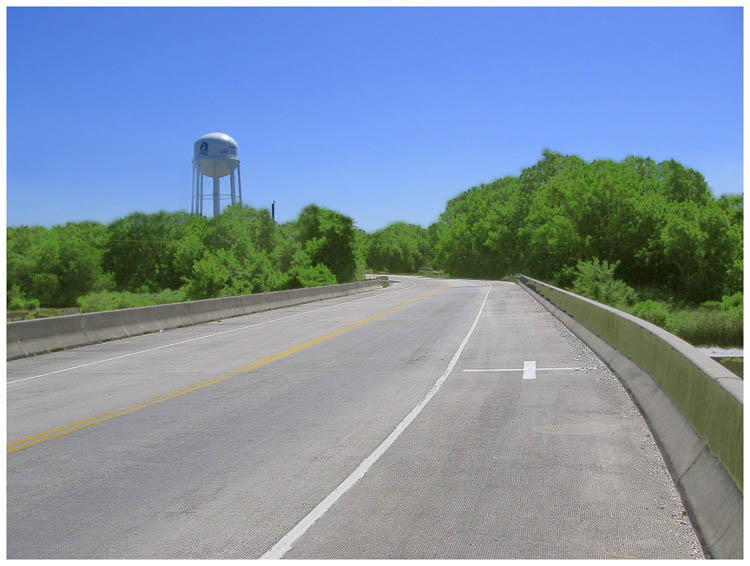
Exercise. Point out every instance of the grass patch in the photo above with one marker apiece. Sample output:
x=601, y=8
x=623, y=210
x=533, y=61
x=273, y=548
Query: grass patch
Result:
x=710, y=324
x=703, y=327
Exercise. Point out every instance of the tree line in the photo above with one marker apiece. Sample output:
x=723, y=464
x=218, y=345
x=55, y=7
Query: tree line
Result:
x=658, y=223
x=654, y=226
x=241, y=251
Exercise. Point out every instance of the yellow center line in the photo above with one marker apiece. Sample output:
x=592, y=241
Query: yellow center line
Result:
x=150, y=402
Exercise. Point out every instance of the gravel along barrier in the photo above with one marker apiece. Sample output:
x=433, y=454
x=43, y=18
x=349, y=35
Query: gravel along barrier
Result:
x=31, y=337
x=693, y=405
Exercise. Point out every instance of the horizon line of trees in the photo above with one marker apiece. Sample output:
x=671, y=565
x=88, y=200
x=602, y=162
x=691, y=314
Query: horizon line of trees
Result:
x=658, y=224
x=241, y=251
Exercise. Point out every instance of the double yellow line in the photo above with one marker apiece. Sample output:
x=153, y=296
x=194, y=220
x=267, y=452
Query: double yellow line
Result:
x=108, y=416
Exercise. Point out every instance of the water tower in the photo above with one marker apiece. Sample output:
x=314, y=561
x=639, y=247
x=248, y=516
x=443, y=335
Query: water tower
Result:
x=215, y=155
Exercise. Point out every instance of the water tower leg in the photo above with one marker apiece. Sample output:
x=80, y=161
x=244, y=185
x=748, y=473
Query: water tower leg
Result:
x=200, y=193
x=239, y=182
x=231, y=183
x=217, y=207
x=195, y=197
x=192, y=191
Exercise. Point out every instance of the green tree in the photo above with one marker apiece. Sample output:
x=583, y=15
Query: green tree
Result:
x=23, y=247
x=362, y=244
x=211, y=276
x=479, y=233
x=328, y=238
x=187, y=244
x=55, y=266
x=699, y=250
x=399, y=247
x=138, y=251
x=240, y=223
x=732, y=206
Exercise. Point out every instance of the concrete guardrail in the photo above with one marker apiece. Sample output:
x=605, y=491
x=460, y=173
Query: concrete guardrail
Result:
x=31, y=337
x=693, y=405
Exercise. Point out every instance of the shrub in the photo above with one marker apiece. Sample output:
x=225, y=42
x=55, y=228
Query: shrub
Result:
x=314, y=276
x=596, y=280
x=733, y=304
x=656, y=312
x=17, y=300
x=732, y=301
x=711, y=306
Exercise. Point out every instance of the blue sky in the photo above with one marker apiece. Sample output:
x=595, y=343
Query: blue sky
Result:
x=383, y=114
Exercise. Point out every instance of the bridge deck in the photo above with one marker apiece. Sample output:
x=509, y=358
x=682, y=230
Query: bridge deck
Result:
x=420, y=421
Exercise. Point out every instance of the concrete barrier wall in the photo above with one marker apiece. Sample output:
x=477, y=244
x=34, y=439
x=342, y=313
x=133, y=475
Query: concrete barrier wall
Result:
x=31, y=337
x=693, y=405
x=44, y=335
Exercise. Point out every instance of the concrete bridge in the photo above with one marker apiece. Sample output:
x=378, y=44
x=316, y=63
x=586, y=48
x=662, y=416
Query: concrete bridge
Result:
x=425, y=419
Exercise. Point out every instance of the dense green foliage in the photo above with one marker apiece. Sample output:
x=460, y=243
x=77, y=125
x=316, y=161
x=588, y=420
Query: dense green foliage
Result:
x=399, y=248
x=716, y=323
x=657, y=223
x=165, y=257
x=52, y=266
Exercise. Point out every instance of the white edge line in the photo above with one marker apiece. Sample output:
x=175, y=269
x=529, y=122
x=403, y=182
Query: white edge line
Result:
x=286, y=542
x=200, y=337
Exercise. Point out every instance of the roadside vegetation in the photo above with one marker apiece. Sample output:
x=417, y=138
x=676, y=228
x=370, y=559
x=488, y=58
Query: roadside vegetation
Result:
x=714, y=323
x=149, y=259
x=645, y=237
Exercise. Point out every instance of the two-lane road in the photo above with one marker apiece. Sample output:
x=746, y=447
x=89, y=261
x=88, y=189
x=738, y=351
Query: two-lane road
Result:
x=432, y=419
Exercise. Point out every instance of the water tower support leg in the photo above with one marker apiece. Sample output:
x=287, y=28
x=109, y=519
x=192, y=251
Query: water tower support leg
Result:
x=192, y=192
x=231, y=183
x=200, y=191
x=239, y=182
x=217, y=207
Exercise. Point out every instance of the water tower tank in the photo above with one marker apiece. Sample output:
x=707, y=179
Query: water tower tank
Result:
x=215, y=154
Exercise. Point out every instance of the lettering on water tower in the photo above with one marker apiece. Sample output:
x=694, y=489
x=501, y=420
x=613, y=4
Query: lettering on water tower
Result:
x=203, y=150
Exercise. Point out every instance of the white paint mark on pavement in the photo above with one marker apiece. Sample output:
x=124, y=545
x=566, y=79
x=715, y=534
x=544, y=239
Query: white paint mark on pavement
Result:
x=529, y=370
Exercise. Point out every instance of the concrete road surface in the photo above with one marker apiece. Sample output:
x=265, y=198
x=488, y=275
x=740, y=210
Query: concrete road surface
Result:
x=431, y=419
